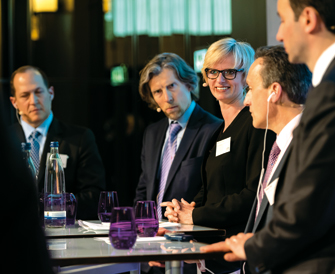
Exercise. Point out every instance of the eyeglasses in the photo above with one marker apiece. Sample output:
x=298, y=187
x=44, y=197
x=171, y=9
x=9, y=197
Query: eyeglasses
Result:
x=229, y=74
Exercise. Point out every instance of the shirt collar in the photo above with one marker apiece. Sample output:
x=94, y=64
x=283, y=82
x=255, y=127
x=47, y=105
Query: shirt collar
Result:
x=286, y=134
x=322, y=64
x=186, y=116
x=43, y=128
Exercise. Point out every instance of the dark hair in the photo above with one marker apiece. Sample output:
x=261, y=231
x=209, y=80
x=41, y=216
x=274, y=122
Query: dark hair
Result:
x=183, y=72
x=326, y=9
x=24, y=69
x=295, y=79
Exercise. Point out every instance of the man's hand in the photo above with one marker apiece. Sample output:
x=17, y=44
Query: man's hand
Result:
x=234, y=246
x=171, y=210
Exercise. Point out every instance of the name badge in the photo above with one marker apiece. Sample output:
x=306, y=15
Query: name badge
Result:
x=270, y=191
x=223, y=146
x=63, y=157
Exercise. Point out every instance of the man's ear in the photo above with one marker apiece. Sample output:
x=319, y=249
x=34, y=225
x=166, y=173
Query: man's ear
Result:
x=13, y=101
x=309, y=17
x=51, y=92
x=276, y=90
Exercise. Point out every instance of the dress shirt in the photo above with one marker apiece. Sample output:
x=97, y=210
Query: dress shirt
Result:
x=183, y=120
x=283, y=140
x=43, y=129
x=322, y=64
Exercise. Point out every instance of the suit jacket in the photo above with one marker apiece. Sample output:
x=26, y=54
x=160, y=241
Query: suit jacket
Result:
x=84, y=173
x=184, y=179
x=300, y=237
x=19, y=195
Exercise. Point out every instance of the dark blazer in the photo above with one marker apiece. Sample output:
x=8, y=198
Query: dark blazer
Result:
x=300, y=237
x=229, y=180
x=184, y=179
x=84, y=173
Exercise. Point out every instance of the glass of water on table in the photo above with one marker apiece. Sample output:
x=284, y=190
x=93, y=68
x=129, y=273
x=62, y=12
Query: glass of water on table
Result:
x=107, y=201
x=146, y=219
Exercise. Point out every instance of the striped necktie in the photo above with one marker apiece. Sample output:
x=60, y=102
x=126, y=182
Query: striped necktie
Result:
x=168, y=155
x=35, y=149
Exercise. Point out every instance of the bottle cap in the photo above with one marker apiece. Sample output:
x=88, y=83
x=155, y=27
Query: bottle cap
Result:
x=26, y=146
x=54, y=144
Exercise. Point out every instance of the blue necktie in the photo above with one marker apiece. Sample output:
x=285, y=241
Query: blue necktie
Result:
x=35, y=149
x=168, y=155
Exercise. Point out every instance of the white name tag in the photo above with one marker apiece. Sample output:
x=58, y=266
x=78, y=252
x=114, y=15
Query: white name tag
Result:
x=63, y=157
x=223, y=146
x=270, y=191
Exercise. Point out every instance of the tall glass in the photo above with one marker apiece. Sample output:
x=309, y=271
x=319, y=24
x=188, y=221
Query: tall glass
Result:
x=107, y=201
x=122, y=233
x=146, y=218
x=71, y=208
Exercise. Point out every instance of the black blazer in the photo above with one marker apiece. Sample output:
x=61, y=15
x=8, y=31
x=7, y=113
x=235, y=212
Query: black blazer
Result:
x=300, y=237
x=84, y=173
x=184, y=179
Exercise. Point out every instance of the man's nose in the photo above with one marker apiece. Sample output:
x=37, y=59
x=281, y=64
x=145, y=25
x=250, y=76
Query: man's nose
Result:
x=247, y=99
x=33, y=98
x=168, y=96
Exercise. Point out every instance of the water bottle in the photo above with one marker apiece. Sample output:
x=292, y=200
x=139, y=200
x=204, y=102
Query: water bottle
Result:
x=26, y=147
x=54, y=190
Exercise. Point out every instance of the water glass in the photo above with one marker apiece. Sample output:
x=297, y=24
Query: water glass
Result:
x=146, y=219
x=107, y=200
x=122, y=233
x=71, y=208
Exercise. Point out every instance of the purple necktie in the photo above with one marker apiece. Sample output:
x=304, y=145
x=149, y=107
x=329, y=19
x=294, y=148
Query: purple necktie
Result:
x=168, y=155
x=275, y=150
x=35, y=149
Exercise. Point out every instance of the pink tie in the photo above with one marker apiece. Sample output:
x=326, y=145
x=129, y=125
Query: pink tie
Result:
x=275, y=150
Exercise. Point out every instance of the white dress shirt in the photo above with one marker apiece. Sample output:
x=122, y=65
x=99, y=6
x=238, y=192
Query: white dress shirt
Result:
x=42, y=129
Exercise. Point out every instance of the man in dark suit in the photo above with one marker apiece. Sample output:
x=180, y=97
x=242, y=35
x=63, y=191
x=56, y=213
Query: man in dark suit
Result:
x=84, y=172
x=168, y=84
x=300, y=236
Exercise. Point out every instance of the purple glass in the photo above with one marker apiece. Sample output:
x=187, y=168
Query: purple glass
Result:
x=71, y=209
x=107, y=200
x=146, y=219
x=122, y=233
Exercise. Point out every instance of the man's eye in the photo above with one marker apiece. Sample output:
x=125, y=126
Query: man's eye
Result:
x=247, y=88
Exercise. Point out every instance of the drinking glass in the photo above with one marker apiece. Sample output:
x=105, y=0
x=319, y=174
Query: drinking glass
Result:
x=107, y=200
x=71, y=208
x=146, y=219
x=122, y=233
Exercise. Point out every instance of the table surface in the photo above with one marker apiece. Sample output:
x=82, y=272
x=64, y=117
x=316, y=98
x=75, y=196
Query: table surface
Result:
x=98, y=250
x=79, y=232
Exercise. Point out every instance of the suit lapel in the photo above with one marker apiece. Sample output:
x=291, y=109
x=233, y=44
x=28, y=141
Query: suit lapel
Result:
x=190, y=133
x=158, y=142
x=265, y=202
x=54, y=134
x=19, y=132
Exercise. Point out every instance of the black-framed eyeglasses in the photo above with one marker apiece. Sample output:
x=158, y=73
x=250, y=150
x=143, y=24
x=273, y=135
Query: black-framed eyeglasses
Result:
x=229, y=74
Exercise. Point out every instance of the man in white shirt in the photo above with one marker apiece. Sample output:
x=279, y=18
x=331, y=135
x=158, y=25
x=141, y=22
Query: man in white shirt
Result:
x=84, y=172
x=300, y=236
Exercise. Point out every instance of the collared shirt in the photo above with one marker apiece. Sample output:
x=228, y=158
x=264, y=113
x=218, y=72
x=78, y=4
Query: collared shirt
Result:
x=43, y=129
x=183, y=120
x=284, y=138
x=322, y=64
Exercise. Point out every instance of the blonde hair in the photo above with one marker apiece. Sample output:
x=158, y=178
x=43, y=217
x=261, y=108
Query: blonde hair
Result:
x=242, y=52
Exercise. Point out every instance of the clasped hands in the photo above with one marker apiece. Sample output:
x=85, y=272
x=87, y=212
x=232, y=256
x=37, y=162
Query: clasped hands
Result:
x=179, y=212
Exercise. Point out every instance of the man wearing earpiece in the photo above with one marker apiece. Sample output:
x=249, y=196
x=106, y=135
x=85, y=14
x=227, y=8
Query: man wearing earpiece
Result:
x=84, y=173
x=277, y=91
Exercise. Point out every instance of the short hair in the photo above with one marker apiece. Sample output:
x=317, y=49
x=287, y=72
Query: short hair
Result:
x=325, y=8
x=295, y=79
x=242, y=52
x=172, y=61
x=24, y=69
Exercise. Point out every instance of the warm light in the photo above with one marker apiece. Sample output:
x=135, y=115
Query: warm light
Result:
x=106, y=5
x=35, y=31
x=45, y=5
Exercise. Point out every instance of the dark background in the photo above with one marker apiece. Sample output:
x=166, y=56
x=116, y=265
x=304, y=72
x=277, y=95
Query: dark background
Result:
x=73, y=51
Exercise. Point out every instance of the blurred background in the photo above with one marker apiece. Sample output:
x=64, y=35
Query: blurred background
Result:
x=92, y=52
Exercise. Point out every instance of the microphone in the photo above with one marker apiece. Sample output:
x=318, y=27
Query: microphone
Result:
x=205, y=84
x=20, y=112
x=158, y=109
